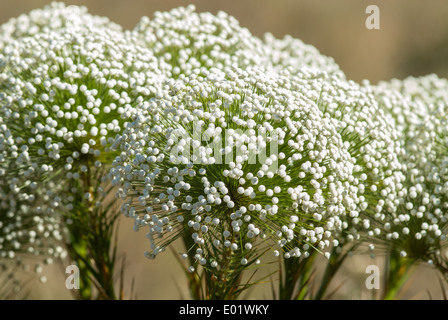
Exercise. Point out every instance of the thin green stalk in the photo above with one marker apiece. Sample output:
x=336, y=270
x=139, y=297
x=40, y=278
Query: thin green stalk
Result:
x=295, y=278
x=77, y=250
x=223, y=282
x=398, y=270
x=92, y=245
x=194, y=281
x=223, y=285
x=335, y=262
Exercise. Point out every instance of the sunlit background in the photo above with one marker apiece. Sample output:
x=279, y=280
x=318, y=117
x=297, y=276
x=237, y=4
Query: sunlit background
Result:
x=412, y=41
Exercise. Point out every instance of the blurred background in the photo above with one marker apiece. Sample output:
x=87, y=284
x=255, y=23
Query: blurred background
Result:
x=412, y=41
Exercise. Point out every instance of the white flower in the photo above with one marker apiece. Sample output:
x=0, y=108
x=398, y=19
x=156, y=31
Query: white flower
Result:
x=374, y=143
x=66, y=93
x=55, y=16
x=294, y=54
x=346, y=170
x=188, y=165
x=68, y=82
x=420, y=107
x=29, y=229
x=189, y=40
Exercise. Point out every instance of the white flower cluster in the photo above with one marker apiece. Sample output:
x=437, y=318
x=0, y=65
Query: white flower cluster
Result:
x=294, y=54
x=29, y=227
x=237, y=144
x=411, y=101
x=211, y=186
x=53, y=17
x=68, y=82
x=372, y=141
x=342, y=175
x=189, y=40
x=420, y=106
x=66, y=93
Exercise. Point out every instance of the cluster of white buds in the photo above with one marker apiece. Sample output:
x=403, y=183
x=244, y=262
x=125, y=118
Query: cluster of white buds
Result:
x=372, y=141
x=236, y=144
x=29, y=227
x=66, y=93
x=55, y=16
x=187, y=40
x=420, y=106
x=336, y=166
x=294, y=54
x=230, y=157
x=411, y=101
x=68, y=83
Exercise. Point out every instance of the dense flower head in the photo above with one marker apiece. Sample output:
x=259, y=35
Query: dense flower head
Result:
x=68, y=81
x=55, y=16
x=234, y=155
x=30, y=232
x=207, y=47
x=294, y=54
x=421, y=221
x=373, y=141
x=239, y=145
x=189, y=40
x=411, y=101
x=28, y=225
x=419, y=227
x=65, y=94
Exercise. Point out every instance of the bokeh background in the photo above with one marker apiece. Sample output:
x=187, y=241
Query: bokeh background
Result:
x=412, y=41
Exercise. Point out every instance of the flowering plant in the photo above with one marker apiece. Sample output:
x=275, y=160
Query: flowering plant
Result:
x=241, y=148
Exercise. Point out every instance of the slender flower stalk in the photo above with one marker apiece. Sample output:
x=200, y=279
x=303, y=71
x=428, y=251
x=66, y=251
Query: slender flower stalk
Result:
x=398, y=271
x=296, y=278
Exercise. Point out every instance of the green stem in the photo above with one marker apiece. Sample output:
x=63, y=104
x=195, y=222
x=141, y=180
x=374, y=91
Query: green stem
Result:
x=77, y=250
x=398, y=270
x=221, y=283
x=92, y=246
x=295, y=277
x=335, y=262
x=224, y=284
x=194, y=281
